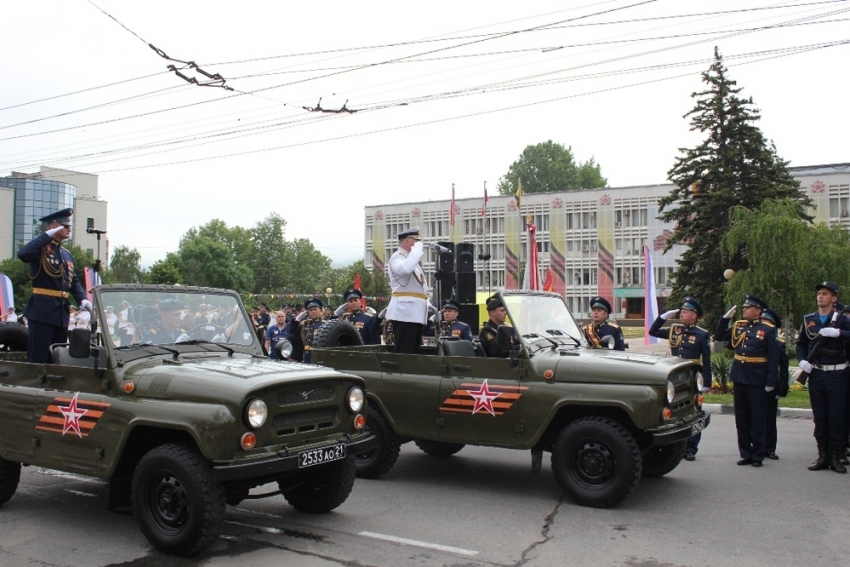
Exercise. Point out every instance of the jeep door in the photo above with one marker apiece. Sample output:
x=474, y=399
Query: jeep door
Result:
x=20, y=383
x=410, y=390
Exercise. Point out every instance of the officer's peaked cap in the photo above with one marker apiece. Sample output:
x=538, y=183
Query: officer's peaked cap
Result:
x=750, y=299
x=690, y=303
x=831, y=286
x=352, y=293
x=409, y=233
x=59, y=216
x=601, y=303
x=313, y=302
x=170, y=305
x=451, y=304
x=494, y=303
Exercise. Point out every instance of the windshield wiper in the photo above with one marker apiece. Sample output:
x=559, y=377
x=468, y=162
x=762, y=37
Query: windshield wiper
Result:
x=536, y=336
x=206, y=342
x=558, y=332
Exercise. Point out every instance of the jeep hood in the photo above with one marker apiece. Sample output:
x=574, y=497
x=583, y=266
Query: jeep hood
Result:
x=609, y=366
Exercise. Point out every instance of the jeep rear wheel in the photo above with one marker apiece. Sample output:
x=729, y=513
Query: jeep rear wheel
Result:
x=596, y=461
x=176, y=501
x=337, y=332
x=14, y=337
x=381, y=459
x=324, y=487
x=10, y=476
x=438, y=448
x=662, y=460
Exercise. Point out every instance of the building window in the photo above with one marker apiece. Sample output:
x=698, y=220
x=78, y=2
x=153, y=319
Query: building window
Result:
x=89, y=223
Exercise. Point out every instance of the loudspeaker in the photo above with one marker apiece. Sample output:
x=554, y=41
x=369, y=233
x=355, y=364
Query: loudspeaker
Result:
x=466, y=287
x=465, y=257
x=446, y=263
x=469, y=314
x=445, y=288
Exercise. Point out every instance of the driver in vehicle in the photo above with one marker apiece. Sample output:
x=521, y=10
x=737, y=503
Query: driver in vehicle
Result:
x=487, y=335
x=168, y=329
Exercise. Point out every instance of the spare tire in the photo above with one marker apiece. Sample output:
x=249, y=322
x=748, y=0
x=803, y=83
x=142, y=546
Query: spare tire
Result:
x=14, y=337
x=337, y=332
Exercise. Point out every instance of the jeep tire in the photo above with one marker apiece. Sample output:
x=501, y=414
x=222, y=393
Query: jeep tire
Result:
x=438, y=448
x=662, y=460
x=337, y=332
x=324, y=487
x=596, y=462
x=10, y=476
x=176, y=501
x=14, y=337
x=381, y=459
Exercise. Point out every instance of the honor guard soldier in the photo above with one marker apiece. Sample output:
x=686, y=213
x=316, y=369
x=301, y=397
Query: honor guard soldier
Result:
x=771, y=317
x=827, y=331
x=310, y=325
x=490, y=329
x=51, y=269
x=450, y=327
x=600, y=327
x=754, y=374
x=367, y=324
x=690, y=342
x=408, y=308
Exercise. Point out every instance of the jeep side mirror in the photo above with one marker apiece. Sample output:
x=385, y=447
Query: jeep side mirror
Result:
x=79, y=343
x=283, y=349
x=608, y=342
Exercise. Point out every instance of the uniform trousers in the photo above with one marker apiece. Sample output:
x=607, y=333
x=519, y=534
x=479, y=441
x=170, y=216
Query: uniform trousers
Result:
x=751, y=420
x=828, y=396
x=772, y=409
x=407, y=336
x=42, y=335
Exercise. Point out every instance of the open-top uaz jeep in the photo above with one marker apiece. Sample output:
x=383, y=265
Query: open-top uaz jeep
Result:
x=606, y=416
x=180, y=425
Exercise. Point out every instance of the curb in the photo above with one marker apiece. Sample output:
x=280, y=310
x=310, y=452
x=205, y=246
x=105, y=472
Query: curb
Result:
x=783, y=412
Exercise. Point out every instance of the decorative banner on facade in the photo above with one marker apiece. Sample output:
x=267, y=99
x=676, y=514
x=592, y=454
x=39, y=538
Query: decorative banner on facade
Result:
x=379, y=242
x=558, y=245
x=820, y=196
x=7, y=297
x=605, y=246
x=513, y=226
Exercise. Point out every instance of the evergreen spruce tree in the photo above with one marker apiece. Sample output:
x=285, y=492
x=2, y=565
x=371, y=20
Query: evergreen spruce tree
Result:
x=734, y=165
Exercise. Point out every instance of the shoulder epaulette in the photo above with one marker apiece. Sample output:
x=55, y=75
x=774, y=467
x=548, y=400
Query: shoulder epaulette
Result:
x=613, y=323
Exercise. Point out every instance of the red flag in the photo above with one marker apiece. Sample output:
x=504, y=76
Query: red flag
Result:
x=452, y=207
x=484, y=206
x=357, y=287
x=547, y=285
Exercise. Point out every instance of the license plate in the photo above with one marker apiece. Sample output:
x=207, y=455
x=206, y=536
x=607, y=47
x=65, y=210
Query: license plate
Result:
x=697, y=427
x=321, y=455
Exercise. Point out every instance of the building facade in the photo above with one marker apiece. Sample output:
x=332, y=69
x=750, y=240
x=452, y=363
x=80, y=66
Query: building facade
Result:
x=26, y=197
x=592, y=241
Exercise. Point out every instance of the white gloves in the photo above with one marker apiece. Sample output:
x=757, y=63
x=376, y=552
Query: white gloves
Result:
x=768, y=388
x=669, y=314
x=301, y=316
x=731, y=313
x=805, y=366
x=86, y=304
x=417, y=248
x=341, y=309
x=53, y=231
x=829, y=332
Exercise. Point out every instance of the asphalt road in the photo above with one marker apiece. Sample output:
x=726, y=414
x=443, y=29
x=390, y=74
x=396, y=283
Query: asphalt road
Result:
x=480, y=507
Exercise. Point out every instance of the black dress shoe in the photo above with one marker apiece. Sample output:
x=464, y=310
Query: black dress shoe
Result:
x=772, y=455
x=690, y=457
x=746, y=461
x=757, y=463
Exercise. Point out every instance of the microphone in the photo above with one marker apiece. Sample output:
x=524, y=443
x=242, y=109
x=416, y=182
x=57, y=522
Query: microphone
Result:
x=437, y=247
x=95, y=231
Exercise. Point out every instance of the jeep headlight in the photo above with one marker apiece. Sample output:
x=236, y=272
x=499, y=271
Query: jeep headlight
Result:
x=256, y=413
x=700, y=381
x=671, y=392
x=355, y=399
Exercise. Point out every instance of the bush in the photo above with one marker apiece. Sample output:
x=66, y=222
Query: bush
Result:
x=721, y=369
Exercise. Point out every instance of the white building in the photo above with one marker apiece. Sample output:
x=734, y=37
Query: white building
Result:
x=592, y=240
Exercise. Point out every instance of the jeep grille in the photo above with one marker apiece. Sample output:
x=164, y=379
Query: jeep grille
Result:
x=305, y=394
x=303, y=417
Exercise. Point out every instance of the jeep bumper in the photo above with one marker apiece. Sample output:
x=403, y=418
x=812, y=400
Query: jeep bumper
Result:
x=281, y=463
x=682, y=432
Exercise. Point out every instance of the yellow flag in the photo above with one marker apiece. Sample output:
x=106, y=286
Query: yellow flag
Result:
x=518, y=194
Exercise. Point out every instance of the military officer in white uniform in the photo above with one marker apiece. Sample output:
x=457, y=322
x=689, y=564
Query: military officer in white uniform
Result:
x=408, y=308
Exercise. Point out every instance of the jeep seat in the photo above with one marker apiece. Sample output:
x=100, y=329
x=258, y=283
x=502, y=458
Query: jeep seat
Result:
x=455, y=348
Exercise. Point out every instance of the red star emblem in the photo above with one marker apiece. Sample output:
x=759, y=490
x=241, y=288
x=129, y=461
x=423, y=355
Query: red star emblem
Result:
x=72, y=416
x=483, y=399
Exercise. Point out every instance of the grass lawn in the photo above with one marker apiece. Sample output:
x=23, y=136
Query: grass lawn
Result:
x=799, y=399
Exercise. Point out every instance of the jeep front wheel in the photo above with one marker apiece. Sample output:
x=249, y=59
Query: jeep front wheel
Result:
x=438, y=448
x=176, y=501
x=596, y=462
x=322, y=488
x=662, y=460
x=381, y=459
x=10, y=476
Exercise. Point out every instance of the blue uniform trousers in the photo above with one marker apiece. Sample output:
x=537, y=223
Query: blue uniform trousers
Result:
x=828, y=396
x=772, y=409
x=42, y=335
x=751, y=420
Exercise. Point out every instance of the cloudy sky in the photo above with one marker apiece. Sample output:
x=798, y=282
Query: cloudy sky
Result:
x=444, y=92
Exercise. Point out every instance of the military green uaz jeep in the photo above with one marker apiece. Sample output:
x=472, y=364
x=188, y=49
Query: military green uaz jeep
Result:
x=607, y=417
x=173, y=402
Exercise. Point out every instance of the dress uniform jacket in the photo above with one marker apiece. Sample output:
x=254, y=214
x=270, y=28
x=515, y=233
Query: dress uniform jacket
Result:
x=596, y=332
x=756, y=351
x=309, y=327
x=686, y=341
x=487, y=336
x=367, y=324
x=410, y=290
x=456, y=330
x=833, y=351
x=51, y=268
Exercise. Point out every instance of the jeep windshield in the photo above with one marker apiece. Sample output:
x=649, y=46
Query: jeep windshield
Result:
x=543, y=320
x=137, y=317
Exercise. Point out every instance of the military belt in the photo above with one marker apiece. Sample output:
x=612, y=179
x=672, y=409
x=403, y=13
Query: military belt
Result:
x=750, y=359
x=831, y=367
x=308, y=347
x=50, y=292
x=409, y=294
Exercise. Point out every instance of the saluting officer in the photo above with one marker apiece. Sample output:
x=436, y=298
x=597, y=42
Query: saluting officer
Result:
x=366, y=323
x=600, y=327
x=690, y=342
x=51, y=269
x=771, y=317
x=754, y=373
x=408, y=308
x=827, y=375
x=450, y=327
x=489, y=330
x=310, y=325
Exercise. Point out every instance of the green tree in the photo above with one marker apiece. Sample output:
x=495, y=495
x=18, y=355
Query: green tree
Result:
x=549, y=167
x=734, y=165
x=166, y=271
x=206, y=262
x=304, y=267
x=268, y=254
x=126, y=265
x=21, y=283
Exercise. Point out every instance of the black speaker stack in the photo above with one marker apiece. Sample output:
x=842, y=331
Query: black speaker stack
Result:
x=456, y=279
